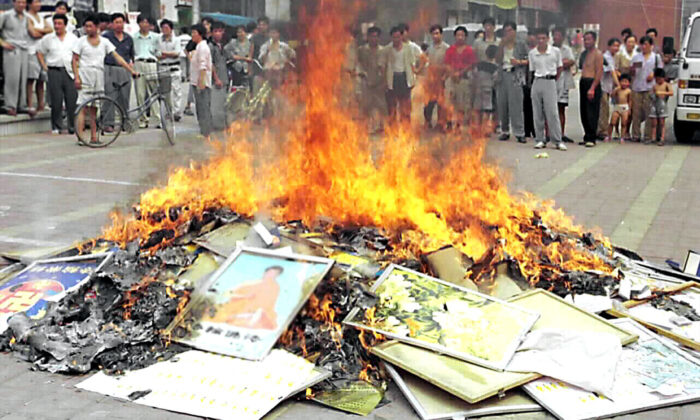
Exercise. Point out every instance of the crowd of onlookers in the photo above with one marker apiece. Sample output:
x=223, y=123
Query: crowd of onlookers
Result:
x=78, y=62
x=518, y=85
x=504, y=82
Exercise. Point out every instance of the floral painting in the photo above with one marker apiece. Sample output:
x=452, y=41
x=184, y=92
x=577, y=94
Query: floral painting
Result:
x=443, y=317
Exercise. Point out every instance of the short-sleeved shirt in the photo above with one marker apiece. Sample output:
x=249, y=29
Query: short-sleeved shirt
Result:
x=125, y=47
x=458, y=61
x=171, y=45
x=93, y=56
x=146, y=47
x=545, y=64
x=218, y=61
x=480, y=46
x=607, y=82
x=640, y=82
x=623, y=60
x=201, y=60
x=240, y=49
x=57, y=52
x=258, y=41
x=566, y=79
x=370, y=61
x=13, y=28
x=436, y=53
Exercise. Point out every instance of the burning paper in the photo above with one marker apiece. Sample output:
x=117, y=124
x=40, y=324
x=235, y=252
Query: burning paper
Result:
x=212, y=386
x=249, y=302
x=650, y=374
x=430, y=313
x=48, y=280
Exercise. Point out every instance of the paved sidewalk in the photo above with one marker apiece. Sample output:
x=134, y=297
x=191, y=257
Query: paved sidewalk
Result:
x=54, y=192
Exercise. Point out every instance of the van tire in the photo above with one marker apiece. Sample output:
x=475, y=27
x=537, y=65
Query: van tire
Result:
x=684, y=131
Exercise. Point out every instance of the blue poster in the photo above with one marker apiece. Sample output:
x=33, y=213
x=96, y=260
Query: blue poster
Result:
x=30, y=290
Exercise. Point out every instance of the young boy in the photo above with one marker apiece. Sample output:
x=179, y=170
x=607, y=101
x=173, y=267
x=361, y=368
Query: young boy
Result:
x=661, y=92
x=485, y=85
x=621, y=97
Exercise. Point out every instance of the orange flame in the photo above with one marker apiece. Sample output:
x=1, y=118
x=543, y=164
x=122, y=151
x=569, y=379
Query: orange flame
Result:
x=424, y=194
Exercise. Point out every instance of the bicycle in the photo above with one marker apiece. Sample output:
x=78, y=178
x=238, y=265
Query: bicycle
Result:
x=108, y=128
x=241, y=103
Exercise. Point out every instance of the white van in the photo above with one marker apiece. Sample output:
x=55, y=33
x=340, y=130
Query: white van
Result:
x=686, y=119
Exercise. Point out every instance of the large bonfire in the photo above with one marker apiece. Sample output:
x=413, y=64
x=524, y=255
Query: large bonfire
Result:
x=317, y=173
x=320, y=163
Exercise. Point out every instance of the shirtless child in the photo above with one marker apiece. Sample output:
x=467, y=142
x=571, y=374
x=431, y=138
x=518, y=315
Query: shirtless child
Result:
x=661, y=92
x=622, y=97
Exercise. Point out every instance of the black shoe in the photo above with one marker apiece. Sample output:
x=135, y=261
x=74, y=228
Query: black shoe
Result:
x=504, y=137
x=71, y=131
x=566, y=140
x=582, y=143
x=521, y=140
x=177, y=118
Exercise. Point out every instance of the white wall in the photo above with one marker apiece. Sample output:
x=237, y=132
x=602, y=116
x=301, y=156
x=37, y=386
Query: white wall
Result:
x=278, y=9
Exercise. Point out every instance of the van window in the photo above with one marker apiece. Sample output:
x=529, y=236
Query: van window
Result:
x=694, y=40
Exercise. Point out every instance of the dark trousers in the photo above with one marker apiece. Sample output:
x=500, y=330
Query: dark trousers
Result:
x=590, y=110
x=428, y=111
x=398, y=99
x=202, y=102
x=528, y=115
x=61, y=88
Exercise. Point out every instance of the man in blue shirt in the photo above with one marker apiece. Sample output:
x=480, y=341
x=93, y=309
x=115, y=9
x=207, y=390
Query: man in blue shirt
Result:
x=117, y=78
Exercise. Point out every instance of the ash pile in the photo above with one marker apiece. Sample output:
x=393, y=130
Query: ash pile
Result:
x=335, y=314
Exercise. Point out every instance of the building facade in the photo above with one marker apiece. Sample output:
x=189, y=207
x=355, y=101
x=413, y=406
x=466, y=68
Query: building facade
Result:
x=615, y=15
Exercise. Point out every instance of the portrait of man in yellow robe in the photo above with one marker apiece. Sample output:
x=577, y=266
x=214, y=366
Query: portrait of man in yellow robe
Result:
x=252, y=304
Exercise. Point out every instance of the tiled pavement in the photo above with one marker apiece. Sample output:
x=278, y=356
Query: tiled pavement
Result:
x=53, y=192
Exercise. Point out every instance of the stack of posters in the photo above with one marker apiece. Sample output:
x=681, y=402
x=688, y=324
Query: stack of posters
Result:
x=31, y=289
x=248, y=302
x=213, y=386
x=478, y=387
x=449, y=319
x=432, y=403
x=650, y=374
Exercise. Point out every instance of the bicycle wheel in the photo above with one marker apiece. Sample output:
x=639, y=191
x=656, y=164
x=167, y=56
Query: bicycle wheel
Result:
x=167, y=121
x=104, y=116
x=237, y=104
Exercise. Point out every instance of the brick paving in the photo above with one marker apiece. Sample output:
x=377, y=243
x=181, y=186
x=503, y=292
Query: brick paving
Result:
x=54, y=192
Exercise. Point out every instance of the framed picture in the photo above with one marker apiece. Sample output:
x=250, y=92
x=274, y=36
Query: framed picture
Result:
x=248, y=302
x=692, y=263
x=432, y=403
x=448, y=319
x=650, y=374
x=43, y=281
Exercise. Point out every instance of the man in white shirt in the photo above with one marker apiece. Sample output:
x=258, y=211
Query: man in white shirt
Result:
x=146, y=62
x=400, y=62
x=15, y=62
x=565, y=82
x=200, y=79
x=546, y=64
x=170, y=50
x=89, y=54
x=607, y=83
x=55, y=54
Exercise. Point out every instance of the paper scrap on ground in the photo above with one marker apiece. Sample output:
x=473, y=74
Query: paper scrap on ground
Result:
x=214, y=386
x=358, y=397
x=650, y=374
x=591, y=303
x=587, y=360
